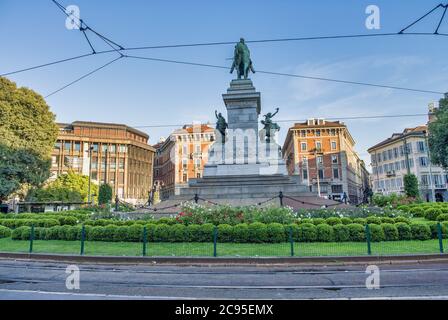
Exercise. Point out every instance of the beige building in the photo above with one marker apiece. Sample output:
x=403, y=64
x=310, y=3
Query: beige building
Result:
x=181, y=157
x=322, y=153
x=403, y=153
x=111, y=153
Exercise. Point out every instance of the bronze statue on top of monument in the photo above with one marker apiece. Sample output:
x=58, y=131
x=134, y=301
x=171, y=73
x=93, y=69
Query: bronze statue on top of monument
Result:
x=241, y=60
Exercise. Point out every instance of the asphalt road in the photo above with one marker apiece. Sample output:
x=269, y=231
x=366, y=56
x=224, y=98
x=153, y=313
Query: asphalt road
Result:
x=39, y=280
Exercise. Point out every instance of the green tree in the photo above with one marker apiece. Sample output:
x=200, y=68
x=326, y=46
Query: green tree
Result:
x=105, y=194
x=70, y=187
x=19, y=167
x=411, y=186
x=27, y=135
x=438, y=135
x=26, y=121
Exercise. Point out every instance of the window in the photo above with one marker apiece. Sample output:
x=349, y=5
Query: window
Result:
x=57, y=145
x=389, y=154
x=409, y=148
x=318, y=145
x=103, y=164
x=305, y=174
x=317, y=133
x=67, y=146
x=321, y=174
x=54, y=161
x=421, y=146
x=425, y=180
x=184, y=177
x=77, y=146
x=95, y=176
x=198, y=163
x=438, y=181
x=401, y=151
x=184, y=164
x=336, y=189
x=113, y=148
x=384, y=156
x=121, y=164
x=113, y=163
x=411, y=163
x=333, y=145
x=397, y=166
x=423, y=161
x=76, y=163
x=319, y=160
x=123, y=148
x=198, y=175
x=305, y=161
x=395, y=153
x=304, y=146
x=94, y=163
x=403, y=164
x=103, y=147
x=198, y=149
x=336, y=173
x=334, y=159
x=303, y=133
x=378, y=156
x=95, y=147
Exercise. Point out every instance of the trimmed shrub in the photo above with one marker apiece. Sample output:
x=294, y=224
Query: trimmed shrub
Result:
x=432, y=214
x=258, y=232
x=5, y=232
x=390, y=232
x=193, y=231
x=402, y=219
x=225, y=233
x=306, y=220
x=373, y=220
x=177, y=233
x=361, y=221
x=346, y=221
x=357, y=232
x=206, y=232
x=333, y=221
x=276, y=233
x=341, y=233
x=376, y=233
x=135, y=233
x=325, y=233
x=387, y=220
x=161, y=233
x=443, y=217
x=241, y=233
x=418, y=212
x=404, y=231
x=317, y=221
x=168, y=221
x=420, y=231
x=434, y=229
x=21, y=233
x=307, y=232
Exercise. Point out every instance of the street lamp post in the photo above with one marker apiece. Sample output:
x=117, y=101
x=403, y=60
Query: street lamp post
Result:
x=432, y=186
x=89, y=151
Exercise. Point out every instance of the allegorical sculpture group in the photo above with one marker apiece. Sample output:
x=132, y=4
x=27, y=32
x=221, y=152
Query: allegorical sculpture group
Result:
x=243, y=64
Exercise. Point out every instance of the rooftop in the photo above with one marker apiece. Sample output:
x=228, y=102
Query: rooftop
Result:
x=398, y=136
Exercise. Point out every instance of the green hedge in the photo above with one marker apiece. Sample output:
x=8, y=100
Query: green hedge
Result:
x=5, y=232
x=16, y=223
x=241, y=233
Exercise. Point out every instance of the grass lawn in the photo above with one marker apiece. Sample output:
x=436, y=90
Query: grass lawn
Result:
x=223, y=249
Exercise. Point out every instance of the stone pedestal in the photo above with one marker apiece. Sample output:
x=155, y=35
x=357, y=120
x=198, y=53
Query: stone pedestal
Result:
x=244, y=166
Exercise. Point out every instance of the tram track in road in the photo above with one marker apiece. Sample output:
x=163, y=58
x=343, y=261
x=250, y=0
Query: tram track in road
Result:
x=143, y=282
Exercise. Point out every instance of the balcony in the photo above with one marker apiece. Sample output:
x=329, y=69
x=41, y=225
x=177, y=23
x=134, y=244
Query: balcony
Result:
x=391, y=173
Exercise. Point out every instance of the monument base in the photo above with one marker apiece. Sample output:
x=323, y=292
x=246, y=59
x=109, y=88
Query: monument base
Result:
x=243, y=187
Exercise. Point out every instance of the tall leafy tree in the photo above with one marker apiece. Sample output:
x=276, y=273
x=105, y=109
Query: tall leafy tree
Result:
x=70, y=187
x=411, y=186
x=19, y=167
x=26, y=121
x=438, y=135
x=105, y=194
x=27, y=135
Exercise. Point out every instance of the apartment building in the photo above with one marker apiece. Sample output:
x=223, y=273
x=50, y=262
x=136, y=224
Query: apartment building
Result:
x=403, y=153
x=181, y=157
x=110, y=153
x=322, y=153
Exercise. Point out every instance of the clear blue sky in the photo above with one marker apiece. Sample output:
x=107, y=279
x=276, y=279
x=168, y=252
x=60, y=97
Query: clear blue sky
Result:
x=141, y=93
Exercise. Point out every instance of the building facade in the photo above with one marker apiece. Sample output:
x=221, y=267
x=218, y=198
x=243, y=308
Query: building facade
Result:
x=404, y=153
x=322, y=153
x=181, y=157
x=110, y=153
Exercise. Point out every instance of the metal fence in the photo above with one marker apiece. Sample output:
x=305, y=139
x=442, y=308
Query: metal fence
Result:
x=215, y=248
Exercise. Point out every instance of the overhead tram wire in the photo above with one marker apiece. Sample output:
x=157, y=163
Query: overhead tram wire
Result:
x=302, y=120
x=82, y=77
x=289, y=75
